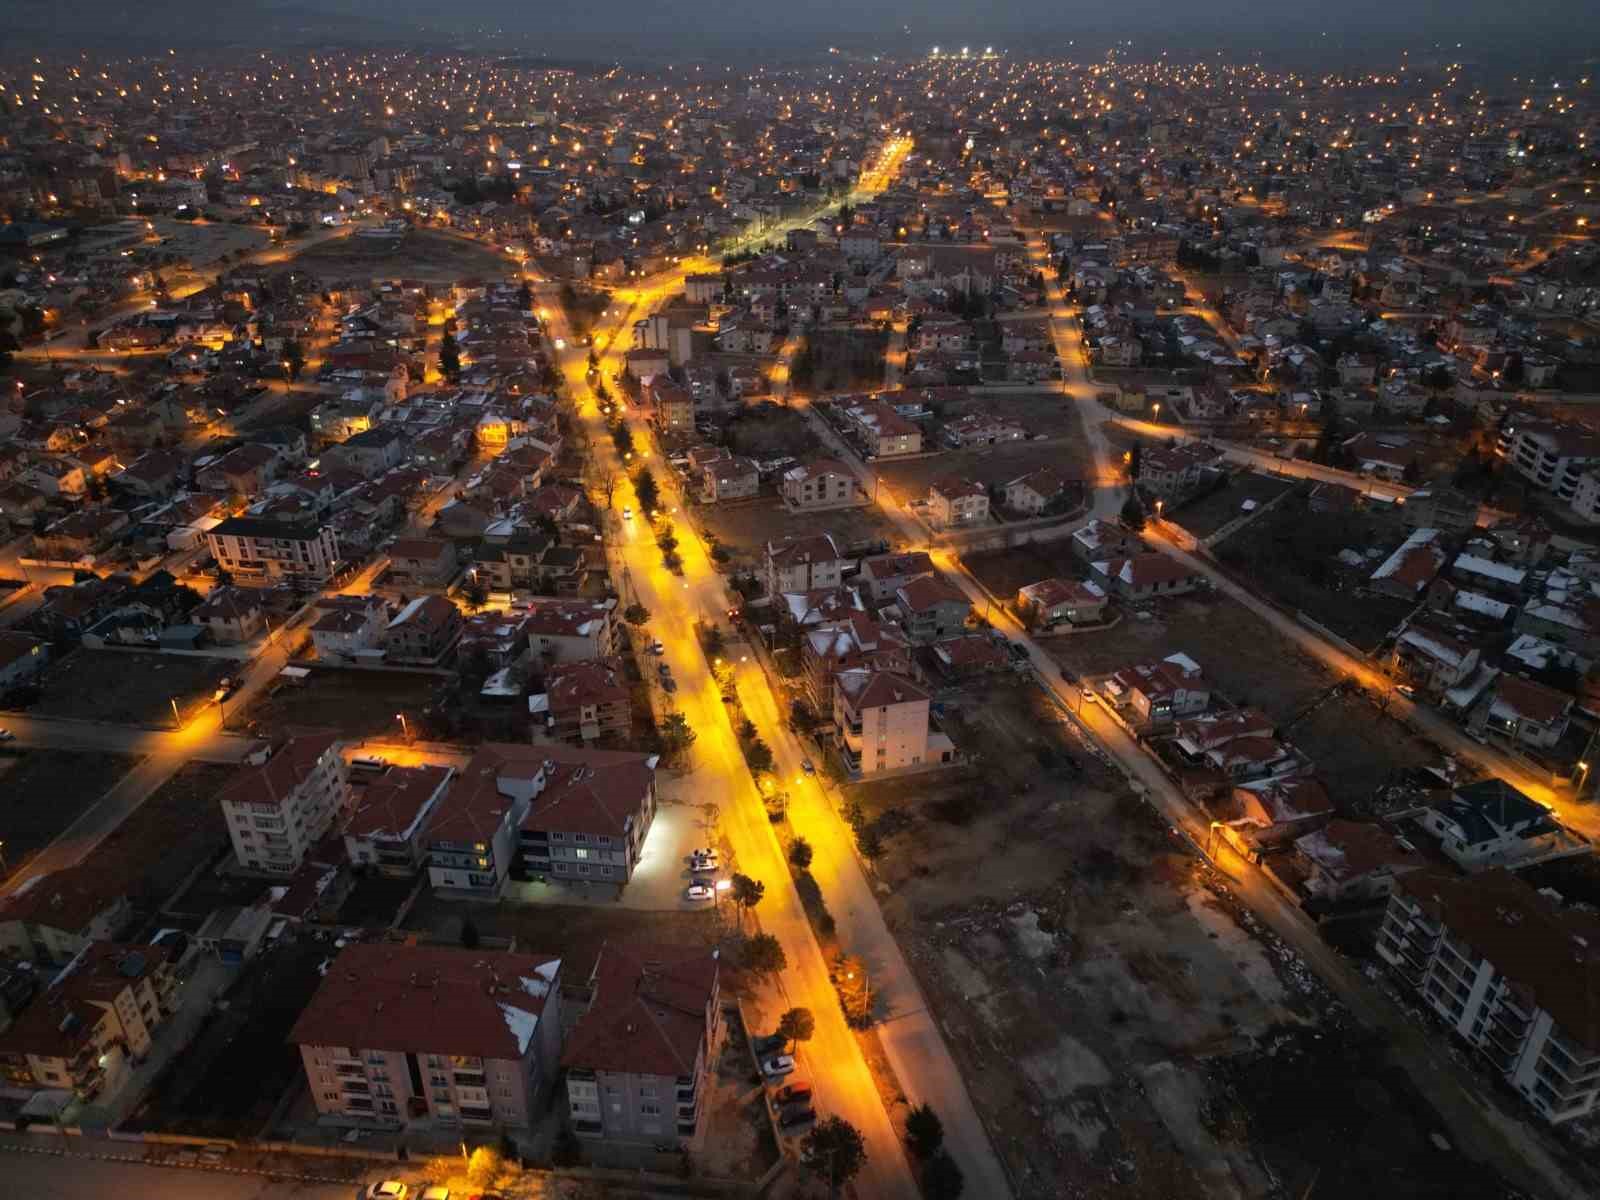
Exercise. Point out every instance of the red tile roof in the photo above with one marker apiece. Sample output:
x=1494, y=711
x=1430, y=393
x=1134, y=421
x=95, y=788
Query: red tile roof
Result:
x=648, y=1016
x=275, y=780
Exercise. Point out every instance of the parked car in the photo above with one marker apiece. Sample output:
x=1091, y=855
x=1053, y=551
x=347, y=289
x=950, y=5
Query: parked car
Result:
x=436, y=1192
x=795, y=1115
x=778, y=1066
x=704, y=862
x=807, y=767
x=791, y=1092
x=657, y=648
x=700, y=891
x=369, y=762
x=389, y=1189
x=669, y=684
x=627, y=512
x=664, y=670
x=770, y=1044
x=6, y=735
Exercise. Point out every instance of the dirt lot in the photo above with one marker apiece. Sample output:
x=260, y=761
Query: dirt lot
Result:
x=574, y=933
x=993, y=465
x=1353, y=746
x=1290, y=554
x=130, y=687
x=1047, y=414
x=421, y=254
x=766, y=431
x=46, y=791
x=229, y=1080
x=358, y=704
x=745, y=528
x=1004, y=571
x=176, y=830
x=1204, y=515
x=1124, y=1025
x=201, y=243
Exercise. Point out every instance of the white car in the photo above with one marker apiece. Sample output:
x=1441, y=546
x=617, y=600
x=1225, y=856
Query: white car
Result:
x=708, y=862
x=657, y=648
x=807, y=766
x=6, y=735
x=778, y=1066
x=389, y=1189
x=627, y=513
x=699, y=891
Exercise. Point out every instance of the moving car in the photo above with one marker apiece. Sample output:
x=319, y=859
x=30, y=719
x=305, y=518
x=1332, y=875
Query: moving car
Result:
x=699, y=891
x=778, y=1066
x=389, y=1189
x=807, y=767
x=627, y=512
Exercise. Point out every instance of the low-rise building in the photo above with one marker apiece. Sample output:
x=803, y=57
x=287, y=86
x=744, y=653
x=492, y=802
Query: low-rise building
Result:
x=51, y=917
x=1160, y=693
x=583, y=702
x=422, y=562
x=1348, y=861
x=883, y=574
x=401, y=1033
x=262, y=551
x=929, y=606
x=1511, y=972
x=566, y=630
x=1062, y=601
x=1147, y=576
x=803, y=564
x=350, y=628
x=1484, y=824
x=956, y=502
x=423, y=631
x=23, y=659
x=823, y=484
x=231, y=615
x=278, y=809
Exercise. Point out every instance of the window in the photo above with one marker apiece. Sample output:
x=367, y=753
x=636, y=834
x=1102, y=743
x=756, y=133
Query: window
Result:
x=581, y=853
x=647, y=1093
x=649, y=1110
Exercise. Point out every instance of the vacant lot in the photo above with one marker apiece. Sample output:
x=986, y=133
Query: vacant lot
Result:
x=840, y=360
x=1125, y=1027
x=1204, y=515
x=1004, y=571
x=766, y=431
x=1353, y=746
x=420, y=254
x=200, y=243
x=1291, y=554
x=993, y=465
x=576, y=934
x=1043, y=414
x=130, y=687
x=177, y=830
x=360, y=705
x=47, y=790
x=744, y=529
x=229, y=1080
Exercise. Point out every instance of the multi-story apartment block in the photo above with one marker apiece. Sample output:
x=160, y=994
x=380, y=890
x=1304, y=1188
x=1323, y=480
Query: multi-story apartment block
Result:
x=882, y=723
x=1511, y=972
x=562, y=630
x=423, y=630
x=262, y=551
x=54, y=916
x=584, y=702
x=671, y=407
x=95, y=1019
x=803, y=564
x=639, y=1058
x=279, y=809
x=471, y=838
x=1551, y=455
x=825, y=483
x=386, y=824
x=590, y=813
x=398, y=1033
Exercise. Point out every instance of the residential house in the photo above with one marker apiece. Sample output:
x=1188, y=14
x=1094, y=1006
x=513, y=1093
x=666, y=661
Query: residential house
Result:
x=1482, y=824
x=350, y=628
x=1042, y=492
x=1433, y=661
x=1511, y=972
x=231, y=615
x=569, y=630
x=885, y=433
x=471, y=837
x=1349, y=861
x=883, y=574
x=730, y=479
x=460, y=1038
x=583, y=702
x=639, y=1061
x=803, y=564
x=1157, y=694
x=23, y=658
x=1439, y=507
x=278, y=809
x=1146, y=576
x=929, y=606
x=422, y=563
x=424, y=631
x=1062, y=601
x=1407, y=572
x=389, y=814
x=1172, y=470
x=1525, y=712
x=1104, y=541
x=956, y=502
x=670, y=407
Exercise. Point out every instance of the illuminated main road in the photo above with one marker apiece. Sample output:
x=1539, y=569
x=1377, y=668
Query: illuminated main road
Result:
x=719, y=777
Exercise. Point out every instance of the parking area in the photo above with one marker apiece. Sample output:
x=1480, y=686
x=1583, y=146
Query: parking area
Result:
x=130, y=687
x=659, y=881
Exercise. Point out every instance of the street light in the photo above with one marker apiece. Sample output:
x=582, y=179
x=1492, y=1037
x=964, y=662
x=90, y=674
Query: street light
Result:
x=405, y=730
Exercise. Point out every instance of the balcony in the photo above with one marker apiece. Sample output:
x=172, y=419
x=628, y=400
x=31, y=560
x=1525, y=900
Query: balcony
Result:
x=350, y=1070
x=471, y=1079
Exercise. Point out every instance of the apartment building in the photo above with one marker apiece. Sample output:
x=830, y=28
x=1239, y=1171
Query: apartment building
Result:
x=261, y=551
x=956, y=502
x=562, y=630
x=278, y=809
x=885, y=433
x=1511, y=972
x=400, y=1033
x=825, y=483
x=470, y=840
x=882, y=723
x=590, y=813
x=671, y=407
x=638, y=1060
x=386, y=822
x=55, y=915
x=93, y=1022
x=803, y=564
x=1551, y=455
x=423, y=631
x=583, y=702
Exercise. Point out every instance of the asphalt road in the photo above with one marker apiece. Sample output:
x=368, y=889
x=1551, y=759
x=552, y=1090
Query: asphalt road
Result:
x=32, y=1176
